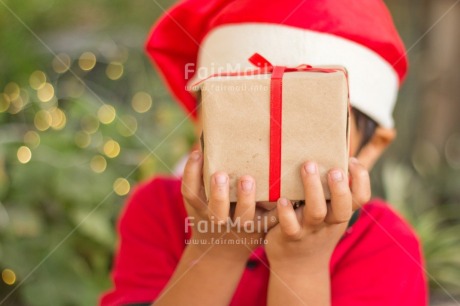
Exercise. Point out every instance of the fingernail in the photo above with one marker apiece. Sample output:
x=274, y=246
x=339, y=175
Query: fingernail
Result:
x=283, y=202
x=196, y=155
x=221, y=179
x=310, y=168
x=247, y=185
x=354, y=160
x=336, y=175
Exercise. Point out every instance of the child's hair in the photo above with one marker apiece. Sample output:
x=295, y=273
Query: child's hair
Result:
x=365, y=125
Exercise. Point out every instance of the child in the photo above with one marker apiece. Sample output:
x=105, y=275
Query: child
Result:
x=351, y=251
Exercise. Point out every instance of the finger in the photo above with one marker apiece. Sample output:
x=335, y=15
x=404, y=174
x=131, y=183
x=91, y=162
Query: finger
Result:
x=191, y=187
x=246, y=200
x=288, y=221
x=360, y=183
x=341, y=207
x=219, y=203
x=315, y=209
x=269, y=219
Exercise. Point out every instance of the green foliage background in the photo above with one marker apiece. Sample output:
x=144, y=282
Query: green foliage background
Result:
x=57, y=215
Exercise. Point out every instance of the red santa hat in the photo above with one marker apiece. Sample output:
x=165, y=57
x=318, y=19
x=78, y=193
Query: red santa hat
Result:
x=197, y=38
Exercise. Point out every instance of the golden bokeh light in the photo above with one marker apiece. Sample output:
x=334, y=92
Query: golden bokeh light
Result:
x=37, y=79
x=42, y=120
x=114, y=70
x=127, y=125
x=111, y=148
x=8, y=277
x=46, y=92
x=98, y=164
x=97, y=140
x=32, y=139
x=24, y=154
x=24, y=95
x=87, y=61
x=106, y=114
x=4, y=102
x=58, y=118
x=89, y=124
x=12, y=90
x=121, y=186
x=141, y=102
x=72, y=88
x=61, y=63
x=82, y=139
x=16, y=105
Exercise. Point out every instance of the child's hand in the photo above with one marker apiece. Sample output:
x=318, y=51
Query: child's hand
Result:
x=211, y=220
x=306, y=237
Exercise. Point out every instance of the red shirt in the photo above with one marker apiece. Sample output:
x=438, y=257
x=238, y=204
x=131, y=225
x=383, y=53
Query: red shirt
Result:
x=377, y=262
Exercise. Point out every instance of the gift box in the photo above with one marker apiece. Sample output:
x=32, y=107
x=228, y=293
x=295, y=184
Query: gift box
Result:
x=267, y=122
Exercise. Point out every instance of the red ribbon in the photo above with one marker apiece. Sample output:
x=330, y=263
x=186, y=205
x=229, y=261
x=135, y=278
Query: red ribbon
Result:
x=276, y=106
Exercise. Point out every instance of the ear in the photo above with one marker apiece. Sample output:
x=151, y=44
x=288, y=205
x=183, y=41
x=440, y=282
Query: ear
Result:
x=371, y=152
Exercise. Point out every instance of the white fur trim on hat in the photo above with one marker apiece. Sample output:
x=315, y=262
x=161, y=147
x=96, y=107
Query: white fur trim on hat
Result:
x=373, y=81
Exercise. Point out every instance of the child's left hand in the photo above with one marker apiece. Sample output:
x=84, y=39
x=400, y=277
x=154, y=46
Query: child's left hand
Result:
x=306, y=237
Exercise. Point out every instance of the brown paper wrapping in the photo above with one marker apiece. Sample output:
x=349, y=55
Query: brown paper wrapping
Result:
x=236, y=128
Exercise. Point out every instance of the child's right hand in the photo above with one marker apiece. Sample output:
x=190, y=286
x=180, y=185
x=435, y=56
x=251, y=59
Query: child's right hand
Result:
x=211, y=230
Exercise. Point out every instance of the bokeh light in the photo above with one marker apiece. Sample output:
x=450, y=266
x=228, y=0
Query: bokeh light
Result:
x=141, y=102
x=37, y=79
x=106, y=114
x=46, y=92
x=89, y=124
x=111, y=148
x=16, y=105
x=12, y=90
x=32, y=139
x=127, y=125
x=24, y=95
x=21, y=101
x=58, y=118
x=4, y=102
x=121, y=186
x=82, y=139
x=97, y=140
x=98, y=164
x=87, y=61
x=8, y=277
x=72, y=87
x=61, y=63
x=42, y=120
x=24, y=154
x=114, y=70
